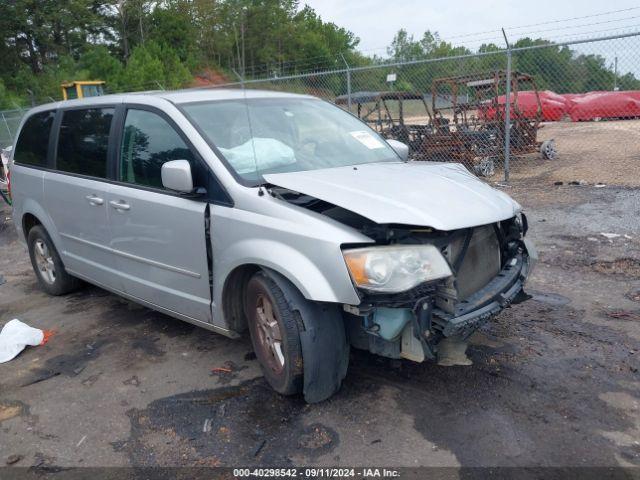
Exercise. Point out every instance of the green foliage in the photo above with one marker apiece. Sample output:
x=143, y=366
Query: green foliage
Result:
x=144, y=70
x=8, y=100
x=99, y=64
x=173, y=28
x=151, y=44
x=143, y=44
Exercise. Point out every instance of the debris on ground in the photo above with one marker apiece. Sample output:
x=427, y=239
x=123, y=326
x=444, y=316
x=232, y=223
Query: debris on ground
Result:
x=2, y=280
x=258, y=447
x=8, y=411
x=620, y=266
x=600, y=185
x=227, y=372
x=610, y=236
x=316, y=437
x=624, y=315
x=633, y=295
x=16, y=335
x=13, y=459
x=134, y=381
x=206, y=428
x=221, y=369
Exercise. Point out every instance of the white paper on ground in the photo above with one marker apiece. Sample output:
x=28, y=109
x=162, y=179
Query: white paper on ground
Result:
x=16, y=335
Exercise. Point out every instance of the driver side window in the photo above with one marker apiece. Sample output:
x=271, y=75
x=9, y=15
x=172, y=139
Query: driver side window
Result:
x=147, y=143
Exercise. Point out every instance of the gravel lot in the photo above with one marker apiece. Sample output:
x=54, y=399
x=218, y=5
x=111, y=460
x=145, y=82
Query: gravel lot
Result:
x=606, y=152
x=555, y=379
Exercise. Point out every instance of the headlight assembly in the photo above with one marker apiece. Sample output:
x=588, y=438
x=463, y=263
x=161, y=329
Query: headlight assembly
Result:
x=395, y=268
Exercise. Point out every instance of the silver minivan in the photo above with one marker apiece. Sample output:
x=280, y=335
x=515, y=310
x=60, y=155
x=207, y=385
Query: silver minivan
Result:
x=276, y=213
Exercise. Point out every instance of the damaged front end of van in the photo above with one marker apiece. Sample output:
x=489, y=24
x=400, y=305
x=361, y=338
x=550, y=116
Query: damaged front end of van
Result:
x=447, y=253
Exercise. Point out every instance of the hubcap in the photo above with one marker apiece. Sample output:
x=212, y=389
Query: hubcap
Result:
x=44, y=262
x=269, y=333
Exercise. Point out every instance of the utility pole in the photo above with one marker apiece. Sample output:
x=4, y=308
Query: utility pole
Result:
x=615, y=74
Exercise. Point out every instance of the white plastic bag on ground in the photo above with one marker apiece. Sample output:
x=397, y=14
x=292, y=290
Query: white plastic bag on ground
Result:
x=16, y=335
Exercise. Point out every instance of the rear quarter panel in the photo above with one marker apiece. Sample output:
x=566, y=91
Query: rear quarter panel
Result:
x=27, y=195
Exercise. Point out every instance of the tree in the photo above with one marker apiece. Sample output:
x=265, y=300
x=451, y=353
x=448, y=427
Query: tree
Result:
x=143, y=71
x=99, y=64
x=143, y=44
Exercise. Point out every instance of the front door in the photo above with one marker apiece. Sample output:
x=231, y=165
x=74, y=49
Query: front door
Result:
x=159, y=236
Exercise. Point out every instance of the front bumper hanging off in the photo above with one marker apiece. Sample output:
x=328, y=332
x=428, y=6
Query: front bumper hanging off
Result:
x=489, y=300
x=412, y=325
x=503, y=290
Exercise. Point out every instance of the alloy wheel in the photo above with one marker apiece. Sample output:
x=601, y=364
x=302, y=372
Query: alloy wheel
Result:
x=269, y=334
x=44, y=261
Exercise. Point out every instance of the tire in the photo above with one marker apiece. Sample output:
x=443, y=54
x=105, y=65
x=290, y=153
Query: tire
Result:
x=47, y=265
x=277, y=346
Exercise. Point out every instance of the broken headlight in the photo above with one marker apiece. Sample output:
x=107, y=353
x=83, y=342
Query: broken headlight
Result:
x=395, y=268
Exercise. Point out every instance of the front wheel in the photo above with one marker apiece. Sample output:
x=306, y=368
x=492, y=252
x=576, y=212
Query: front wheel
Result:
x=274, y=334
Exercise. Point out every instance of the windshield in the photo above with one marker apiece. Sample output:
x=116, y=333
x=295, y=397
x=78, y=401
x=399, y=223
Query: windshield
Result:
x=286, y=135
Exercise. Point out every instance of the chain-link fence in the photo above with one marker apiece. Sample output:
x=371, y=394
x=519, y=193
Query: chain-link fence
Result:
x=573, y=106
x=9, y=122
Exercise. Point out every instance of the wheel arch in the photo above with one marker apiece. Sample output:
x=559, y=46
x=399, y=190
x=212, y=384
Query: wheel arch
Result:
x=234, y=290
x=233, y=293
x=33, y=214
x=29, y=220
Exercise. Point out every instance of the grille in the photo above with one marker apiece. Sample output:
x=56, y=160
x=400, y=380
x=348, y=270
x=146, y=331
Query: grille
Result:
x=481, y=263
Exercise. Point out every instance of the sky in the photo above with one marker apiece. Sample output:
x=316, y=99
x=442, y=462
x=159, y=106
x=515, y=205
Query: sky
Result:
x=472, y=22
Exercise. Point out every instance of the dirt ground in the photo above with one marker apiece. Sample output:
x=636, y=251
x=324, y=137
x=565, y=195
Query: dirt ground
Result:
x=593, y=152
x=555, y=379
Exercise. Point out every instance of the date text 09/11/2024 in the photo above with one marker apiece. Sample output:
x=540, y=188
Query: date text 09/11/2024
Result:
x=316, y=473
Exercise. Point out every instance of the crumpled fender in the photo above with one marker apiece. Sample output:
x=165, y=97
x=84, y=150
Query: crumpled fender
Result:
x=325, y=350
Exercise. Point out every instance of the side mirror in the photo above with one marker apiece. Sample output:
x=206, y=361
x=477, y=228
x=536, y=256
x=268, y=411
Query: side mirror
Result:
x=176, y=175
x=402, y=149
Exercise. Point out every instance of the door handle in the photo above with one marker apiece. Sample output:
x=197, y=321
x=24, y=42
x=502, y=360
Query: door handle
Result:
x=94, y=200
x=120, y=205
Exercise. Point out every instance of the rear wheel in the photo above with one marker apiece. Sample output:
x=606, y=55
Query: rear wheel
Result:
x=274, y=334
x=51, y=274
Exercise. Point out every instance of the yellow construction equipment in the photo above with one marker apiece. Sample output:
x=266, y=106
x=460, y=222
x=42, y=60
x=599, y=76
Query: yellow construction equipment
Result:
x=82, y=89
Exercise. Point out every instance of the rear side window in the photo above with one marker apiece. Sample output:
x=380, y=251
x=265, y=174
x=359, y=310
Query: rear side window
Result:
x=33, y=142
x=84, y=140
x=148, y=142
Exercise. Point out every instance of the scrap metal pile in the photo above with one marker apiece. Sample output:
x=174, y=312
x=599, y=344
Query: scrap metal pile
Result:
x=464, y=122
